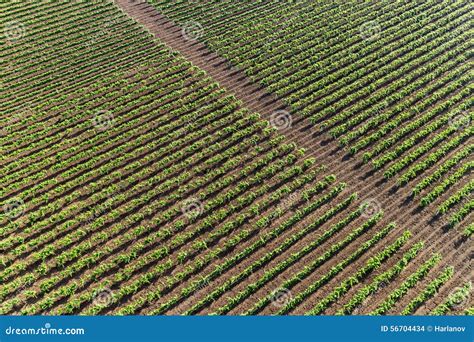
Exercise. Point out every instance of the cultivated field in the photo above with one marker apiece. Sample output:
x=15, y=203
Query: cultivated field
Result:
x=236, y=157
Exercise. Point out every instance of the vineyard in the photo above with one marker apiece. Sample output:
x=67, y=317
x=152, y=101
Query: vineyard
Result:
x=236, y=158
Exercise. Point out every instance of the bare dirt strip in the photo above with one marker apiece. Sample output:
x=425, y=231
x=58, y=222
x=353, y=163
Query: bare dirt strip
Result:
x=359, y=177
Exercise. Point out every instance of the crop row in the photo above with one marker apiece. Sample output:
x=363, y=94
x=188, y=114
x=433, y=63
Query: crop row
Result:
x=430, y=291
x=410, y=282
x=371, y=265
x=380, y=281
